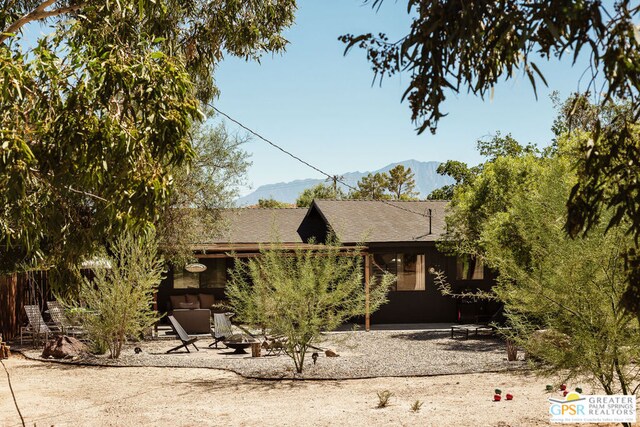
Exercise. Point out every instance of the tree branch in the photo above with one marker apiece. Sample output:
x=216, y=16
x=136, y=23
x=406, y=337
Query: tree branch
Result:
x=87, y=194
x=39, y=13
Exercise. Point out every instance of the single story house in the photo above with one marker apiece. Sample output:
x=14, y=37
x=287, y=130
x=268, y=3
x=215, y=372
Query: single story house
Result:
x=398, y=236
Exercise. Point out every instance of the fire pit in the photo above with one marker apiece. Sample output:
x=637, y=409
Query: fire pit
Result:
x=239, y=344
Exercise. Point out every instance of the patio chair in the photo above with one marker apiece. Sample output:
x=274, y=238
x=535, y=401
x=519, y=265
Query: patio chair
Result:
x=182, y=336
x=36, y=326
x=60, y=321
x=221, y=328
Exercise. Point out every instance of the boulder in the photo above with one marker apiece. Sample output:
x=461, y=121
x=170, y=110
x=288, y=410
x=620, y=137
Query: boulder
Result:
x=64, y=347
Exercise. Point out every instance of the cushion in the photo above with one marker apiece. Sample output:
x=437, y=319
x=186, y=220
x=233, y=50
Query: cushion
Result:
x=193, y=299
x=206, y=300
x=176, y=300
x=189, y=305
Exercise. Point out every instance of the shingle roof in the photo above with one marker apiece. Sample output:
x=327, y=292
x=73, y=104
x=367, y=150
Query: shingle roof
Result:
x=257, y=225
x=389, y=221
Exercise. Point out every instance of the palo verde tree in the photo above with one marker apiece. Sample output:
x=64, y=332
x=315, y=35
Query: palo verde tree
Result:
x=300, y=294
x=117, y=303
x=97, y=115
x=453, y=46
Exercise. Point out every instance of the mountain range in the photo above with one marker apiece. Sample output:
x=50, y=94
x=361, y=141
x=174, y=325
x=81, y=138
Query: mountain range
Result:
x=426, y=177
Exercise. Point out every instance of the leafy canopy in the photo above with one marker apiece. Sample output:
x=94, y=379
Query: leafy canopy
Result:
x=398, y=184
x=320, y=191
x=562, y=296
x=96, y=117
x=200, y=190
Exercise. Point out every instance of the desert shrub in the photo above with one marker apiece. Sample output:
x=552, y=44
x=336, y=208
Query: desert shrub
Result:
x=116, y=303
x=299, y=294
x=383, y=398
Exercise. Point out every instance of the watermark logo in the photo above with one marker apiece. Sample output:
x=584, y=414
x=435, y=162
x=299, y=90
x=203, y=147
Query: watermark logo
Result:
x=576, y=408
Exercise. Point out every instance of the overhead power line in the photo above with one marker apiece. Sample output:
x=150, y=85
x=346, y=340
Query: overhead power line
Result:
x=335, y=178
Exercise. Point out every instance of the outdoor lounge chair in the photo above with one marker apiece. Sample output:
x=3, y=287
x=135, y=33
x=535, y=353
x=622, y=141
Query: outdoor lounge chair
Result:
x=182, y=336
x=60, y=321
x=36, y=327
x=221, y=328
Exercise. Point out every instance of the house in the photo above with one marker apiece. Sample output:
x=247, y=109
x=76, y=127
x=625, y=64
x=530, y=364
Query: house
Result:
x=398, y=236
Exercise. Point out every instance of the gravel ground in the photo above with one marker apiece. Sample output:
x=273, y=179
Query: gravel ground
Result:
x=361, y=355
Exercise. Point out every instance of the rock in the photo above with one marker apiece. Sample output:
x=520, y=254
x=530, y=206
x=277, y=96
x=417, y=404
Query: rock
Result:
x=330, y=353
x=64, y=347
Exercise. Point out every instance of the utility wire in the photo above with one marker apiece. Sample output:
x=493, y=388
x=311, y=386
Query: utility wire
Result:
x=332, y=177
x=15, y=402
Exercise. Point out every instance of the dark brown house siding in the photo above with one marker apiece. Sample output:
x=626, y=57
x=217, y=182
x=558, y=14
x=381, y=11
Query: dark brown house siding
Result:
x=429, y=305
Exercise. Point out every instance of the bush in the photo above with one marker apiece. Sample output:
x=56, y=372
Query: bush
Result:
x=116, y=303
x=299, y=294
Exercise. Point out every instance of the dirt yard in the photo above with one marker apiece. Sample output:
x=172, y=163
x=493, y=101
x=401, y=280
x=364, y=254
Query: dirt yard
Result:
x=52, y=394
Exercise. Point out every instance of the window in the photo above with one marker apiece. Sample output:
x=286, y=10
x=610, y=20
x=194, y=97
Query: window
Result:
x=185, y=280
x=408, y=268
x=215, y=276
x=469, y=267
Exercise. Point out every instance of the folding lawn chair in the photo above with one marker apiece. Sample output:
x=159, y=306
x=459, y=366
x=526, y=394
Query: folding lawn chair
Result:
x=182, y=336
x=56, y=311
x=221, y=328
x=36, y=326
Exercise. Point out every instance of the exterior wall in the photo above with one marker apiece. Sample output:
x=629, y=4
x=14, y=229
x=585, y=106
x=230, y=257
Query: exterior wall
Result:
x=424, y=306
x=313, y=227
x=429, y=305
x=166, y=289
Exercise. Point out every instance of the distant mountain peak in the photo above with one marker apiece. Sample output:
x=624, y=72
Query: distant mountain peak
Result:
x=427, y=180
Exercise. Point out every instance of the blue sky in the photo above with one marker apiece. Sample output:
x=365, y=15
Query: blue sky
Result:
x=320, y=105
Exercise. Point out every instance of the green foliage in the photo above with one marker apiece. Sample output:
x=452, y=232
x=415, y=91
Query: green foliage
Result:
x=562, y=296
x=397, y=184
x=383, y=398
x=401, y=183
x=320, y=191
x=200, y=190
x=372, y=187
x=298, y=295
x=457, y=170
x=97, y=116
x=457, y=46
x=116, y=304
x=272, y=203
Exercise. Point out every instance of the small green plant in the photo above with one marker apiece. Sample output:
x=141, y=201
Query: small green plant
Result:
x=415, y=407
x=383, y=398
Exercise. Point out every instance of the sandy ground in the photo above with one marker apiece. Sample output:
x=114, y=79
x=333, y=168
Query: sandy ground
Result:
x=52, y=394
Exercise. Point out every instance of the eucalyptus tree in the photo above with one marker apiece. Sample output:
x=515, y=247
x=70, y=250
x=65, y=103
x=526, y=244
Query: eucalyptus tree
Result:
x=97, y=114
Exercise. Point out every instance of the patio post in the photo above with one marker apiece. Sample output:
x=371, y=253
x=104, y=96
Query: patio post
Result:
x=367, y=268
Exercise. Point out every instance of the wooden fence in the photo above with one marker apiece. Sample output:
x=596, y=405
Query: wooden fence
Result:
x=16, y=291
